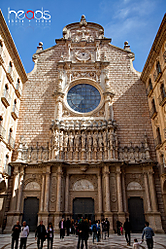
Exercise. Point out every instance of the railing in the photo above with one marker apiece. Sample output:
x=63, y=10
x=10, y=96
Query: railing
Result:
x=149, y=89
x=18, y=90
x=157, y=74
x=161, y=97
x=158, y=140
x=7, y=170
x=11, y=141
x=15, y=112
x=6, y=99
x=153, y=111
x=2, y=131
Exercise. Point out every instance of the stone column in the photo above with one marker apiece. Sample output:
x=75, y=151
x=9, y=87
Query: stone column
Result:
x=47, y=189
x=99, y=194
x=152, y=191
x=108, y=214
x=107, y=184
x=67, y=194
x=59, y=183
x=42, y=193
x=58, y=199
x=147, y=192
x=124, y=191
x=20, y=190
x=15, y=188
x=119, y=189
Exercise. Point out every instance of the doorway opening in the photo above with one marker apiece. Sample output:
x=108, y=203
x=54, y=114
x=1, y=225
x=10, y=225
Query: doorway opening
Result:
x=136, y=214
x=83, y=207
x=30, y=213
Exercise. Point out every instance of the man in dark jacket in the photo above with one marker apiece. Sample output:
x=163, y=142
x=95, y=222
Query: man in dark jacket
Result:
x=15, y=235
x=127, y=228
x=68, y=225
x=83, y=234
x=40, y=235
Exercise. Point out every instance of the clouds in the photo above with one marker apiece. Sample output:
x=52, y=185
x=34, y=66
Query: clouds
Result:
x=129, y=16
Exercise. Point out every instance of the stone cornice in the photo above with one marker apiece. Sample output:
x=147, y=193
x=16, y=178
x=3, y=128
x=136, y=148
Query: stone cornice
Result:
x=155, y=49
x=10, y=45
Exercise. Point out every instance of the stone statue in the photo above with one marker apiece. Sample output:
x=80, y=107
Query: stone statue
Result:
x=83, y=139
x=105, y=138
x=77, y=140
x=61, y=139
x=66, y=139
x=89, y=139
x=95, y=139
x=71, y=139
x=100, y=140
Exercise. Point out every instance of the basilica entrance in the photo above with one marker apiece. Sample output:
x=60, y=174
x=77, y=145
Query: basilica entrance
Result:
x=136, y=214
x=31, y=208
x=83, y=207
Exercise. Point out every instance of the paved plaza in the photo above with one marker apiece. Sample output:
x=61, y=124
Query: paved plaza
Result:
x=114, y=242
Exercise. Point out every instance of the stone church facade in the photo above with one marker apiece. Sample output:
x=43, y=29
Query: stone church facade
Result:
x=84, y=138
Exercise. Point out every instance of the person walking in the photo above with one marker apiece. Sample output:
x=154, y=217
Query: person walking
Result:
x=40, y=234
x=98, y=230
x=94, y=231
x=62, y=228
x=85, y=233
x=50, y=236
x=118, y=224
x=108, y=226
x=15, y=235
x=127, y=228
x=68, y=226
x=148, y=233
x=24, y=235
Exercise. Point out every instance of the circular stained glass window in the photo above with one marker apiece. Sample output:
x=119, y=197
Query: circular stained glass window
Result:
x=83, y=98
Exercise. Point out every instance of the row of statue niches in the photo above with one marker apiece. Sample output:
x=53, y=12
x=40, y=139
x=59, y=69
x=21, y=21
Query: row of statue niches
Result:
x=85, y=139
x=80, y=125
x=134, y=154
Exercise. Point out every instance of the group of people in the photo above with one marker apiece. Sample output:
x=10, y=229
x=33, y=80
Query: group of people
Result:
x=82, y=228
x=41, y=234
x=22, y=232
x=147, y=232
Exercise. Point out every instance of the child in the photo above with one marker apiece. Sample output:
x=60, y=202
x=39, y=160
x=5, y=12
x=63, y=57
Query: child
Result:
x=136, y=244
x=121, y=229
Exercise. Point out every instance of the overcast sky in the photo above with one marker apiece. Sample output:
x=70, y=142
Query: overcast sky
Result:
x=135, y=21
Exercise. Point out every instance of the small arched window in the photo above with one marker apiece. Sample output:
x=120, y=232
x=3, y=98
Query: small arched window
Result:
x=10, y=67
x=1, y=47
x=150, y=84
x=158, y=136
x=162, y=90
x=158, y=68
x=153, y=106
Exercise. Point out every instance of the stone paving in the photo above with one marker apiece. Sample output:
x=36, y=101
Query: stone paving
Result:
x=113, y=242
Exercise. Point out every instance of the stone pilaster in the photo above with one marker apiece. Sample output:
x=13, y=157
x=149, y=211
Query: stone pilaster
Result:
x=67, y=195
x=107, y=212
x=100, y=210
x=121, y=213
